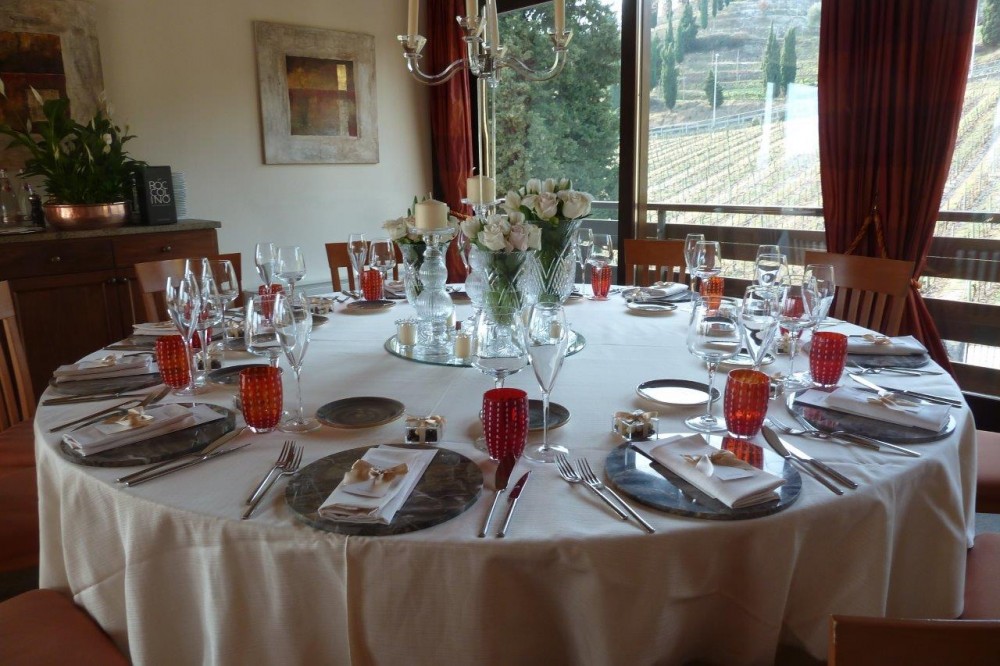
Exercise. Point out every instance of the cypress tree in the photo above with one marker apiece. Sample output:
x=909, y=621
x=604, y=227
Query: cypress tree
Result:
x=669, y=78
x=655, y=61
x=771, y=64
x=713, y=91
x=788, y=60
x=703, y=6
x=687, y=31
x=991, y=22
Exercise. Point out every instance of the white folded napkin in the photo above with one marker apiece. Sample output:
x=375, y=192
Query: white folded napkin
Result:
x=671, y=288
x=876, y=343
x=102, y=435
x=720, y=474
x=156, y=328
x=900, y=410
x=104, y=368
x=373, y=500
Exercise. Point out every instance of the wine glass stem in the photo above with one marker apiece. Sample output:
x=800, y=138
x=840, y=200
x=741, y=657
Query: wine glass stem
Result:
x=498, y=381
x=711, y=382
x=273, y=360
x=793, y=347
x=545, y=421
x=203, y=337
x=189, y=350
x=298, y=389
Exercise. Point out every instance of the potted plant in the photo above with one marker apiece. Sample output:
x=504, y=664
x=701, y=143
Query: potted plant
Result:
x=86, y=172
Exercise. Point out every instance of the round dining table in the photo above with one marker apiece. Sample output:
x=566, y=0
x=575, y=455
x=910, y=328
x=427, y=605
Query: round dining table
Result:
x=175, y=576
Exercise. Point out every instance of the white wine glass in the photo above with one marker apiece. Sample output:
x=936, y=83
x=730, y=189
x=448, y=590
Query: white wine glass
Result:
x=583, y=243
x=707, y=260
x=499, y=345
x=601, y=251
x=224, y=274
x=771, y=269
x=209, y=310
x=357, y=250
x=769, y=249
x=190, y=311
x=713, y=336
x=759, y=316
x=179, y=308
x=293, y=326
x=546, y=336
x=258, y=328
x=263, y=259
x=690, y=246
x=795, y=317
x=382, y=257
x=823, y=284
x=290, y=265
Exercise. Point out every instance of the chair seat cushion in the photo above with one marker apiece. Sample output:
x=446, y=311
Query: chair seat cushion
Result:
x=982, y=579
x=17, y=446
x=43, y=627
x=988, y=471
x=18, y=519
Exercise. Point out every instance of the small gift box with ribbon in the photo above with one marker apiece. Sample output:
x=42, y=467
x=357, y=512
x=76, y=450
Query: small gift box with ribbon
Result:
x=320, y=304
x=423, y=429
x=635, y=426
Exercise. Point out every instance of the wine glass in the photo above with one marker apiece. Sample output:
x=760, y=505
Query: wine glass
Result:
x=224, y=274
x=258, y=328
x=263, y=259
x=583, y=242
x=759, y=316
x=293, y=326
x=771, y=269
x=179, y=307
x=795, y=316
x=768, y=249
x=546, y=337
x=357, y=250
x=707, y=260
x=290, y=265
x=189, y=305
x=690, y=245
x=713, y=335
x=382, y=257
x=210, y=305
x=499, y=349
x=821, y=279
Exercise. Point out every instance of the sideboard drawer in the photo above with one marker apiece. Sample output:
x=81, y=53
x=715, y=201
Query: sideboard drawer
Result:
x=60, y=257
x=131, y=250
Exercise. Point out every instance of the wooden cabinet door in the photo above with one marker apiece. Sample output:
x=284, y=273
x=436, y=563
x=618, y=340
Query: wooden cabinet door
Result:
x=64, y=317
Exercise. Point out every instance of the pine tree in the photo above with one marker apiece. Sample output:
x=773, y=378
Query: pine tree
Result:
x=669, y=78
x=771, y=64
x=788, y=60
x=687, y=32
x=703, y=10
x=713, y=91
x=991, y=22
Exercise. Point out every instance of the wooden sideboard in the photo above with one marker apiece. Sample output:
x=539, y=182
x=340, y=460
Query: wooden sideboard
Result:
x=75, y=292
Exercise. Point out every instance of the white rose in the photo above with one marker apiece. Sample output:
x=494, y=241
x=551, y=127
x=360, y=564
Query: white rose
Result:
x=470, y=227
x=512, y=201
x=528, y=201
x=492, y=238
x=499, y=221
x=533, y=237
x=515, y=217
x=534, y=186
x=549, y=185
x=564, y=184
x=547, y=205
x=575, y=204
x=518, y=239
x=396, y=228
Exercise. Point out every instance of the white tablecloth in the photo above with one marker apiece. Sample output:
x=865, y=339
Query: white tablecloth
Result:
x=174, y=576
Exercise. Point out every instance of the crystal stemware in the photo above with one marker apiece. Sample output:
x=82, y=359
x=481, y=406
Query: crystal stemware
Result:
x=690, y=246
x=499, y=348
x=293, y=325
x=707, y=260
x=771, y=270
x=759, y=315
x=583, y=243
x=210, y=306
x=224, y=274
x=263, y=259
x=382, y=257
x=290, y=265
x=821, y=279
x=546, y=337
x=357, y=250
x=714, y=336
x=180, y=307
x=795, y=317
x=258, y=328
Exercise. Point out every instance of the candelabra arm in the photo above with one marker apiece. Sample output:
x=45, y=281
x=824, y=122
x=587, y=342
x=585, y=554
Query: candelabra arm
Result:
x=411, y=52
x=559, y=44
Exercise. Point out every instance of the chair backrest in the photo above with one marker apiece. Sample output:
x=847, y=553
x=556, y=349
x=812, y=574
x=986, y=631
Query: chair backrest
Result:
x=338, y=257
x=871, y=292
x=648, y=261
x=18, y=403
x=152, y=277
x=875, y=641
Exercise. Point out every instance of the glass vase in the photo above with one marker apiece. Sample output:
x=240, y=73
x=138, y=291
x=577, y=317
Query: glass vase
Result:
x=501, y=280
x=554, y=266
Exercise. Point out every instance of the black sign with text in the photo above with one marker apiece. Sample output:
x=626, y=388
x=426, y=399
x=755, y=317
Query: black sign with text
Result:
x=154, y=194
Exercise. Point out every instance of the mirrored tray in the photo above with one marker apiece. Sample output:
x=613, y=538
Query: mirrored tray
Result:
x=576, y=344
x=829, y=420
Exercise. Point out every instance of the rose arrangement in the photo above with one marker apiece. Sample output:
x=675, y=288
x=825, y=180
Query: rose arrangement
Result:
x=500, y=234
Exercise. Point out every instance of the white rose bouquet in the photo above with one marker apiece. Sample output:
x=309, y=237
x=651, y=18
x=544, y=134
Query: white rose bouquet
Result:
x=503, y=233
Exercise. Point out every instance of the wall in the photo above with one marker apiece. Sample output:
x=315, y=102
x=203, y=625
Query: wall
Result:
x=182, y=74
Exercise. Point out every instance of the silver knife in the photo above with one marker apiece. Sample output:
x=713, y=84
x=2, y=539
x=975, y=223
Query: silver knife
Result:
x=190, y=463
x=504, y=469
x=882, y=392
x=512, y=502
x=212, y=446
x=820, y=465
x=151, y=398
x=779, y=446
x=843, y=435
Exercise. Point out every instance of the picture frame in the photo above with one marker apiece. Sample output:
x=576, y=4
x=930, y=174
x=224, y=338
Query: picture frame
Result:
x=317, y=95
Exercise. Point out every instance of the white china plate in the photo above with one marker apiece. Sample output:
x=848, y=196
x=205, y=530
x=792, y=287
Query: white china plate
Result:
x=676, y=392
x=647, y=309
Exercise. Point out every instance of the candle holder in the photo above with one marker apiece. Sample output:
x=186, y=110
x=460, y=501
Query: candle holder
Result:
x=433, y=303
x=482, y=209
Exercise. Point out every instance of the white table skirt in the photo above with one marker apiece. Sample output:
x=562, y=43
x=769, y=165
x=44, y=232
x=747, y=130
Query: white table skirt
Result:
x=174, y=576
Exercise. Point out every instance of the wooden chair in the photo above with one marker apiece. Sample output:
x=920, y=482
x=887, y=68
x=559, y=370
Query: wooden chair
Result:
x=338, y=257
x=44, y=628
x=152, y=277
x=871, y=292
x=986, y=409
x=648, y=261
x=974, y=639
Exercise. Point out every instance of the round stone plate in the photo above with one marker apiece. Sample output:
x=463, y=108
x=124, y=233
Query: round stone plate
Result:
x=365, y=307
x=829, y=420
x=450, y=485
x=230, y=376
x=319, y=320
x=676, y=392
x=743, y=360
x=654, y=485
x=889, y=360
x=650, y=308
x=360, y=412
x=157, y=449
x=107, y=385
x=558, y=415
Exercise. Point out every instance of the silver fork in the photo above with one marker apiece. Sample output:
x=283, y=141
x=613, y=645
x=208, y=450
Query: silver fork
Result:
x=283, y=459
x=288, y=470
x=567, y=472
x=591, y=480
x=843, y=436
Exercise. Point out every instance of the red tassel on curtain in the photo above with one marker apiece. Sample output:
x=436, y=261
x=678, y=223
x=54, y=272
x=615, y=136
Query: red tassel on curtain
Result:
x=450, y=115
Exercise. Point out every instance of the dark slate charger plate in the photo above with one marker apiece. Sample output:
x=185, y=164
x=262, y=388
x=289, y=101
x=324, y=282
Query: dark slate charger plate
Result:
x=230, y=375
x=450, y=485
x=109, y=385
x=558, y=415
x=360, y=412
x=654, y=485
x=157, y=449
x=888, y=360
x=829, y=420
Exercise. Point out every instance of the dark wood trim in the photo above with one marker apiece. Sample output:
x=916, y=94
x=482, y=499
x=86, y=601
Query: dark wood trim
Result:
x=628, y=127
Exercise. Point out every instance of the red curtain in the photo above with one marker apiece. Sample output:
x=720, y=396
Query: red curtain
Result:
x=451, y=115
x=891, y=84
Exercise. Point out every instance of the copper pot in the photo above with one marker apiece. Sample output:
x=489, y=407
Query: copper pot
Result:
x=75, y=217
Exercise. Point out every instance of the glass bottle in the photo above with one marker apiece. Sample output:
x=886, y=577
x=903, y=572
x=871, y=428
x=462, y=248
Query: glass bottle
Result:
x=24, y=193
x=8, y=200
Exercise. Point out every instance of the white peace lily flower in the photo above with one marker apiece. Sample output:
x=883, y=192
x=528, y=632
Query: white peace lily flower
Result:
x=396, y=228
x=534, y=237
x=547, y=205
x=575, y=204
x=549, y=185
x=512, y=201
x=534, y=186
x=471, y=226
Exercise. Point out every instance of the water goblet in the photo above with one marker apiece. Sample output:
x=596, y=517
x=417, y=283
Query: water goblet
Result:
x=771, y=269
x=290, y=265
x=499, y=347
x=263, y=259
x=759, y=316
x=795, y=317
x=690, y=246
x=293, y=325
x=357, y=250
x=583, y=242
x=768, y=249
x=258, y=328
x=713, y=336
x=382, y=257
x=546, y=336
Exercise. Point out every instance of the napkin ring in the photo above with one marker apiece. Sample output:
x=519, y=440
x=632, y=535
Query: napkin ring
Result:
x=423, y=429
x=362, y=470
x=635, y=426
x=133, y=418
x=877, y=338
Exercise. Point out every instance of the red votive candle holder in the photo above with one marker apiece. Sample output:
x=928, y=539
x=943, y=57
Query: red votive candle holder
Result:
x=600, y=281
x=172, y=359
x=505, y=422
x=371, y=285
x=827, y=356
x=745, y=404
x=261, y=397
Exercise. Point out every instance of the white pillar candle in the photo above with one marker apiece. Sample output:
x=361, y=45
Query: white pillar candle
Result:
x=406, y=332
x=463, y=345
x=560, y=17
x=413, y=18
x=471, y=8
x=492, y=23
x=480, y=190
x=431, y=214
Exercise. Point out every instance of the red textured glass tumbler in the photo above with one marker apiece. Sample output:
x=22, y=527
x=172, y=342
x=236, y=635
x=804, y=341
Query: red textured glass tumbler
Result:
x=505, y=422
x=827, y=356
x=600, y=281
x=172, y=359
x=261, y=396
x=712, y=289
x=745, y=404
x=371, y=285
